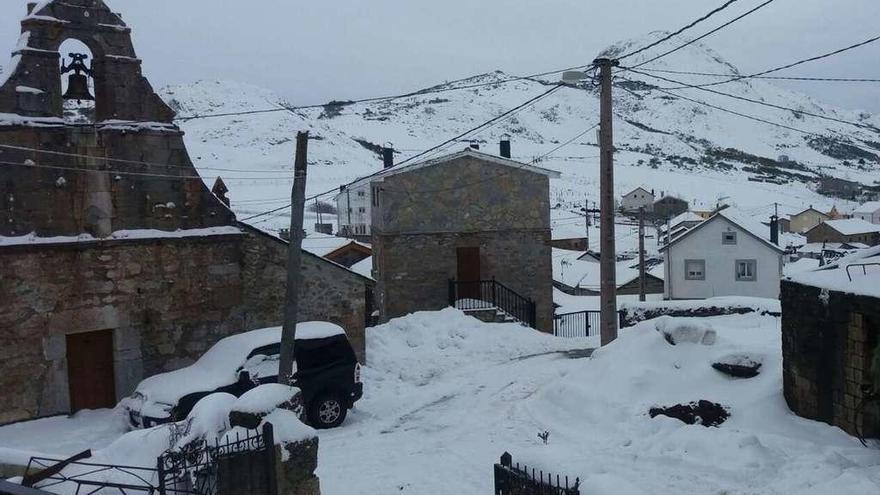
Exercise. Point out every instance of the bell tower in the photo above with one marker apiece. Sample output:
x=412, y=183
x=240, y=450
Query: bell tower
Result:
x=127, y=170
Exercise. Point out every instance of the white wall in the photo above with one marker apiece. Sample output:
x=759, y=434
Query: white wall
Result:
x=705, y=244
x=360, y=221
x=637, y=199
x=869, y=217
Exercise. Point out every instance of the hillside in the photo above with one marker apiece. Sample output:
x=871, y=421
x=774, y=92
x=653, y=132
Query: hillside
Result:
x=664, y=142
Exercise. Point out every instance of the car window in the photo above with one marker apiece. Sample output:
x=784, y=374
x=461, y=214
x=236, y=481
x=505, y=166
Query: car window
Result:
x=262, y=366
x=334, y=351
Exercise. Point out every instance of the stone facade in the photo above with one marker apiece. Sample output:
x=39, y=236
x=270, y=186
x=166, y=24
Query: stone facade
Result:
x=167, y=301
x=574, y=244
x=827, y=233
x=478, y=202
x=828, y=339
x=164, y=298
x=669, y=207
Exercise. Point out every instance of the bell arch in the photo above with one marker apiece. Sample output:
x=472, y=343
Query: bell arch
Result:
x=125, y=94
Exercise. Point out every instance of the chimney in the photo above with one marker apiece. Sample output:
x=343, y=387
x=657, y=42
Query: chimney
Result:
x=774, y=230
x=30, y=7
x=505, y=146
x=388, y=155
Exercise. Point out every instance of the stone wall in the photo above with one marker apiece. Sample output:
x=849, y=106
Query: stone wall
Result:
x=824, y=233
x=574, y=244
x=827, y=343
x=167, y=301
x=414, y=270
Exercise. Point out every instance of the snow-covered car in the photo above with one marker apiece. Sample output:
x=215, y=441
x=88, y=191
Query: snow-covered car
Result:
x=325, y=370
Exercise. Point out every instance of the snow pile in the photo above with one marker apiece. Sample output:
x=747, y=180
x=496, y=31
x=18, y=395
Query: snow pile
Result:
x=423, y=346
x=680, y=331
x=638, y=311
x=265, y=398
x=863, y=268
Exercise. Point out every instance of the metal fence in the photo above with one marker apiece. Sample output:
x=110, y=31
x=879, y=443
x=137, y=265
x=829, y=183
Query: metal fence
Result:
x=580, y=323
x=234, y=466
x=513, y=479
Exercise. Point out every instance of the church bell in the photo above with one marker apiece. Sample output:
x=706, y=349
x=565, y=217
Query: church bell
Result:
x=78, y=88
x=78, y=83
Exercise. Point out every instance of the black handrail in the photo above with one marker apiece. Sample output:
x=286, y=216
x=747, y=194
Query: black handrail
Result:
x=491, y=294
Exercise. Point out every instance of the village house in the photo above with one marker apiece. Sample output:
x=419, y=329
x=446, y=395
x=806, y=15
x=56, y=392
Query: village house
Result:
x=869, y=212
x=637, y=199
x=850, y=230
x=116, y=261
x=460, y=227
x=830, y=337
x=678, y=226
x=579, y=275
x=801, y=222
x=726, y=255
x=669, y=207
x=839, y=188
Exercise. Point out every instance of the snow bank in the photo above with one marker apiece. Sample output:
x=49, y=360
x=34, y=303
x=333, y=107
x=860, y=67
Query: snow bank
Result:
x=314, y=330
x=424, y=345
x=265, y=398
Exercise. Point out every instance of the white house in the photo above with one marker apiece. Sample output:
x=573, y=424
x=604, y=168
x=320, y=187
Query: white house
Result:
x=354, y=209
x=869, y=212
x=639, y=198
x=727, y=255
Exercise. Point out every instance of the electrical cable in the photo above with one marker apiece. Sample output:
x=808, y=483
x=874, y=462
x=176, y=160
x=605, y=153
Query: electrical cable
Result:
x=685, y=28
x=775, y=78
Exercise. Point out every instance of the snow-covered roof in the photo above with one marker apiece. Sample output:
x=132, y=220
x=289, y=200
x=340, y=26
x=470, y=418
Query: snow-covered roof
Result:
x=865, y=276
x=752, y=227
x=364, y=267
x=852, y=226
x=567, y=225
x=120, y=235
x=809, y=210
x=323, y=244
x=868, y=208
x=574, y=272
x=642, y=189
x=467, y=152
x=687, y=216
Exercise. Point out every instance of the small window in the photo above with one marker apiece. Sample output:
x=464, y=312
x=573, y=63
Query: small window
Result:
x=362, y=210
x=695, y=270
x=376, y=197
x=728, y=238
x=746, y=270
x=361, y=193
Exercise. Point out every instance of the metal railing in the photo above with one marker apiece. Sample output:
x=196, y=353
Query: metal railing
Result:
x=491, y=294
x=581, y=323
x=863, y=266
x=513, y=479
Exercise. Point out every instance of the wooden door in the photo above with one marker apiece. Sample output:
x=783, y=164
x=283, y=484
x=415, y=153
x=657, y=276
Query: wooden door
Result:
x=469, y=272
x=90, y=371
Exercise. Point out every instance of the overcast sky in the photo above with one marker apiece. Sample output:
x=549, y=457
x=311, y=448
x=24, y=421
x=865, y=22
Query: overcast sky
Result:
x=316, y=51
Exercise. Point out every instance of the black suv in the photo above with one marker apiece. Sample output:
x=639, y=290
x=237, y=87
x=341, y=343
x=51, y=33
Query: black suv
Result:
x=327, y=373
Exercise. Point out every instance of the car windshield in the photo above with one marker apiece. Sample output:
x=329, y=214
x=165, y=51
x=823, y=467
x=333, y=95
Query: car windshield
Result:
x=262, y=366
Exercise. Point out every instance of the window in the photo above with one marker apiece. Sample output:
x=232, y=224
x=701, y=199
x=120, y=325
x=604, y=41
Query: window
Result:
x=362, y=210
x=746, y=270
x=361, y=194
x=728, y=238
x=695, y=269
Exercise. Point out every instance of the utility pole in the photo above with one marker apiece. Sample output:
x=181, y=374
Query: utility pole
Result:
x=294, y=253
x=608, y=261
x=642, y=254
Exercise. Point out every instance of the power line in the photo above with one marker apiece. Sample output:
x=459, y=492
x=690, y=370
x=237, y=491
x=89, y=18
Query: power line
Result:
x=757, y=102
x=469, y=131
x=719, y=28
x=757, y=119
x=794, y=64
x=130, y=162
x=685, y=28
x=120, y=172
x=776, y=78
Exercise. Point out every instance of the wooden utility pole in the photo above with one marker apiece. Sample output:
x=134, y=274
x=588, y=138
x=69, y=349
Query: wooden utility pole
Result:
x=294, y=255
x=608, y=262
x=642, y=254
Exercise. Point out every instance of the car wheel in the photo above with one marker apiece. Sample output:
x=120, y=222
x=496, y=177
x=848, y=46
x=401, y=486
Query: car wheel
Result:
x=327, y=411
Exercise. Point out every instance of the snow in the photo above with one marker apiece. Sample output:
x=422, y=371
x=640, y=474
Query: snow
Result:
x=314, y=330
x=868, y=208
x=577, y=273
x=800, y=266
x=853, y=226
x=756, y=304
x=33, y=239
x=364, y=267
x=323, y=244
x=265, y=398
x=865, y=280
x=572, y=304
x=28, y=89
x=61, y=435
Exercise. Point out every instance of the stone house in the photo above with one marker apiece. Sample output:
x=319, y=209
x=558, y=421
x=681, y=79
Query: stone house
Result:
x=116, y=261
x=802, y=222
x=636, y=199
x=869, y=212
x=850, y=230
x=830, y=335
x=669, y=207
x=726, y=255
x=840, y=188
x=467, y=216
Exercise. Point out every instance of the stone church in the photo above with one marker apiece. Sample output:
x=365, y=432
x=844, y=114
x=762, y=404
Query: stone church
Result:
x=116, y=261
